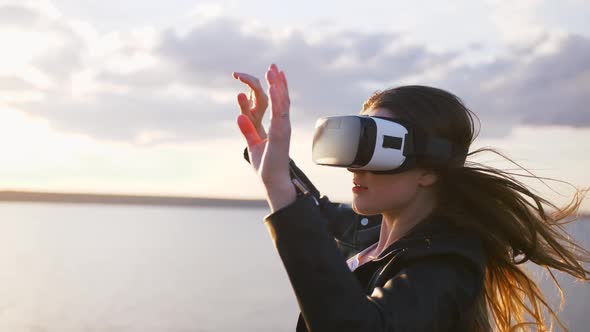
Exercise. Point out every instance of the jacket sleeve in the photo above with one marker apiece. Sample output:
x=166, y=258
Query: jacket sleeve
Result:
x=427, y=295
x=342, y=222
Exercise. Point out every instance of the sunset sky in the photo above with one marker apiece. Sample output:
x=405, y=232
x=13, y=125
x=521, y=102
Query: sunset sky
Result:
x=137, y=96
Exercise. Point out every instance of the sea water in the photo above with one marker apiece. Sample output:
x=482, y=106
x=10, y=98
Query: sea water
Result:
x=66, y=268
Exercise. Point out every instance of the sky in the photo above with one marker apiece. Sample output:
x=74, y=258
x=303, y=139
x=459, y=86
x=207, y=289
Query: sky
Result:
x=137, y=97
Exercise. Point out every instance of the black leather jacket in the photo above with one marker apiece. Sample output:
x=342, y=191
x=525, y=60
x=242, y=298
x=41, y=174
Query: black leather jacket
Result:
x=426, y=281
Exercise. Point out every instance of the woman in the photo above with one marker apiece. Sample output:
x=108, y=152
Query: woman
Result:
x=433, y=248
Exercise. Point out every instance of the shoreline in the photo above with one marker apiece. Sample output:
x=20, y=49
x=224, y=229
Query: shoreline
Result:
x=8, y=196
x=15, y=196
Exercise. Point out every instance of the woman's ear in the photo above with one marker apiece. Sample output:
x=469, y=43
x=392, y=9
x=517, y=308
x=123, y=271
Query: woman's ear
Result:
x=427, y=178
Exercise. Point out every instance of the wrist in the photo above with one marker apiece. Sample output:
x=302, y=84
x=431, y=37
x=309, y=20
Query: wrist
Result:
x=281, y=195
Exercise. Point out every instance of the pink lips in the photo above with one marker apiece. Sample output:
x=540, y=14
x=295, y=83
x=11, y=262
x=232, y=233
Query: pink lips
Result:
x=358, y=188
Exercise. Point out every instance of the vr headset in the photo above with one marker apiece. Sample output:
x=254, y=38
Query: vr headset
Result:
x=378, y=144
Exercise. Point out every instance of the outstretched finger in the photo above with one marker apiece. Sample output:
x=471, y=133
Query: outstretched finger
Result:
x=248, y=130
x=279, y=132
x=278, y=94
x=273, y=92
x=244, y=104
x=284, y=82
x=276, y=78
x=252, y=82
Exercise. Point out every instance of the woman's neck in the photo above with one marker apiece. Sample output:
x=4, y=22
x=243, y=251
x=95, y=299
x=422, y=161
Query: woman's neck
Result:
x=396, y=223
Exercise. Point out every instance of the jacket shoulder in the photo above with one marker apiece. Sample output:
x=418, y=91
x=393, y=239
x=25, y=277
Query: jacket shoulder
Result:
x=457, y=243
x=435, y=244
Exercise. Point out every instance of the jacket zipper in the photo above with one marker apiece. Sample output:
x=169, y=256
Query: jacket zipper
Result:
x=399, y=251
x=380, y=271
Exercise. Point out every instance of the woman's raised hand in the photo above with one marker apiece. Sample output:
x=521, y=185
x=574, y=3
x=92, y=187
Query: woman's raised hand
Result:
x=255, y=105
x=269, y=156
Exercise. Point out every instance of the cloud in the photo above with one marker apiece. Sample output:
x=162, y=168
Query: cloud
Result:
x=12, y=14
x=516, y=21
x=154, y=86
x=8, y=83
x=543, y=89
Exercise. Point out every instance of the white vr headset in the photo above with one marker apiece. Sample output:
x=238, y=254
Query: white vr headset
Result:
x=378, y=144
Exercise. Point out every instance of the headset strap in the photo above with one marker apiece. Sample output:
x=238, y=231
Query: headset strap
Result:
x=440, y=150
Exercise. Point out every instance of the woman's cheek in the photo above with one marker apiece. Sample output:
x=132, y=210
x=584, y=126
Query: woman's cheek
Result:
x=394, y=196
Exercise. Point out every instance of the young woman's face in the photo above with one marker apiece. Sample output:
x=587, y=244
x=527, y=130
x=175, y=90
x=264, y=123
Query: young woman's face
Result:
x=387, y=192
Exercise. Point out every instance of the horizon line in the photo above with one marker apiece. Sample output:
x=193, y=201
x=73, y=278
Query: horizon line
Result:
x=23, y=196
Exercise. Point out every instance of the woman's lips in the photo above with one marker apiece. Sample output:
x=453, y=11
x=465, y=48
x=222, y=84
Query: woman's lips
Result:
x=358, y=188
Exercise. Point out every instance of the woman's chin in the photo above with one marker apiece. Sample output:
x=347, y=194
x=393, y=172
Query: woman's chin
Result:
x=363, y=208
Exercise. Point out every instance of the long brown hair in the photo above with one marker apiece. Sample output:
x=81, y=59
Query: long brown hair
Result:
x=515, y=224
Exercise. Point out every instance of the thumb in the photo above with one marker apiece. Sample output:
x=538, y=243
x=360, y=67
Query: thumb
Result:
x=248, y=130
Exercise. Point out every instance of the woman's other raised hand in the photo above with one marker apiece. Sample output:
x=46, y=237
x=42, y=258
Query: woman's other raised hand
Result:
x=269, y=156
